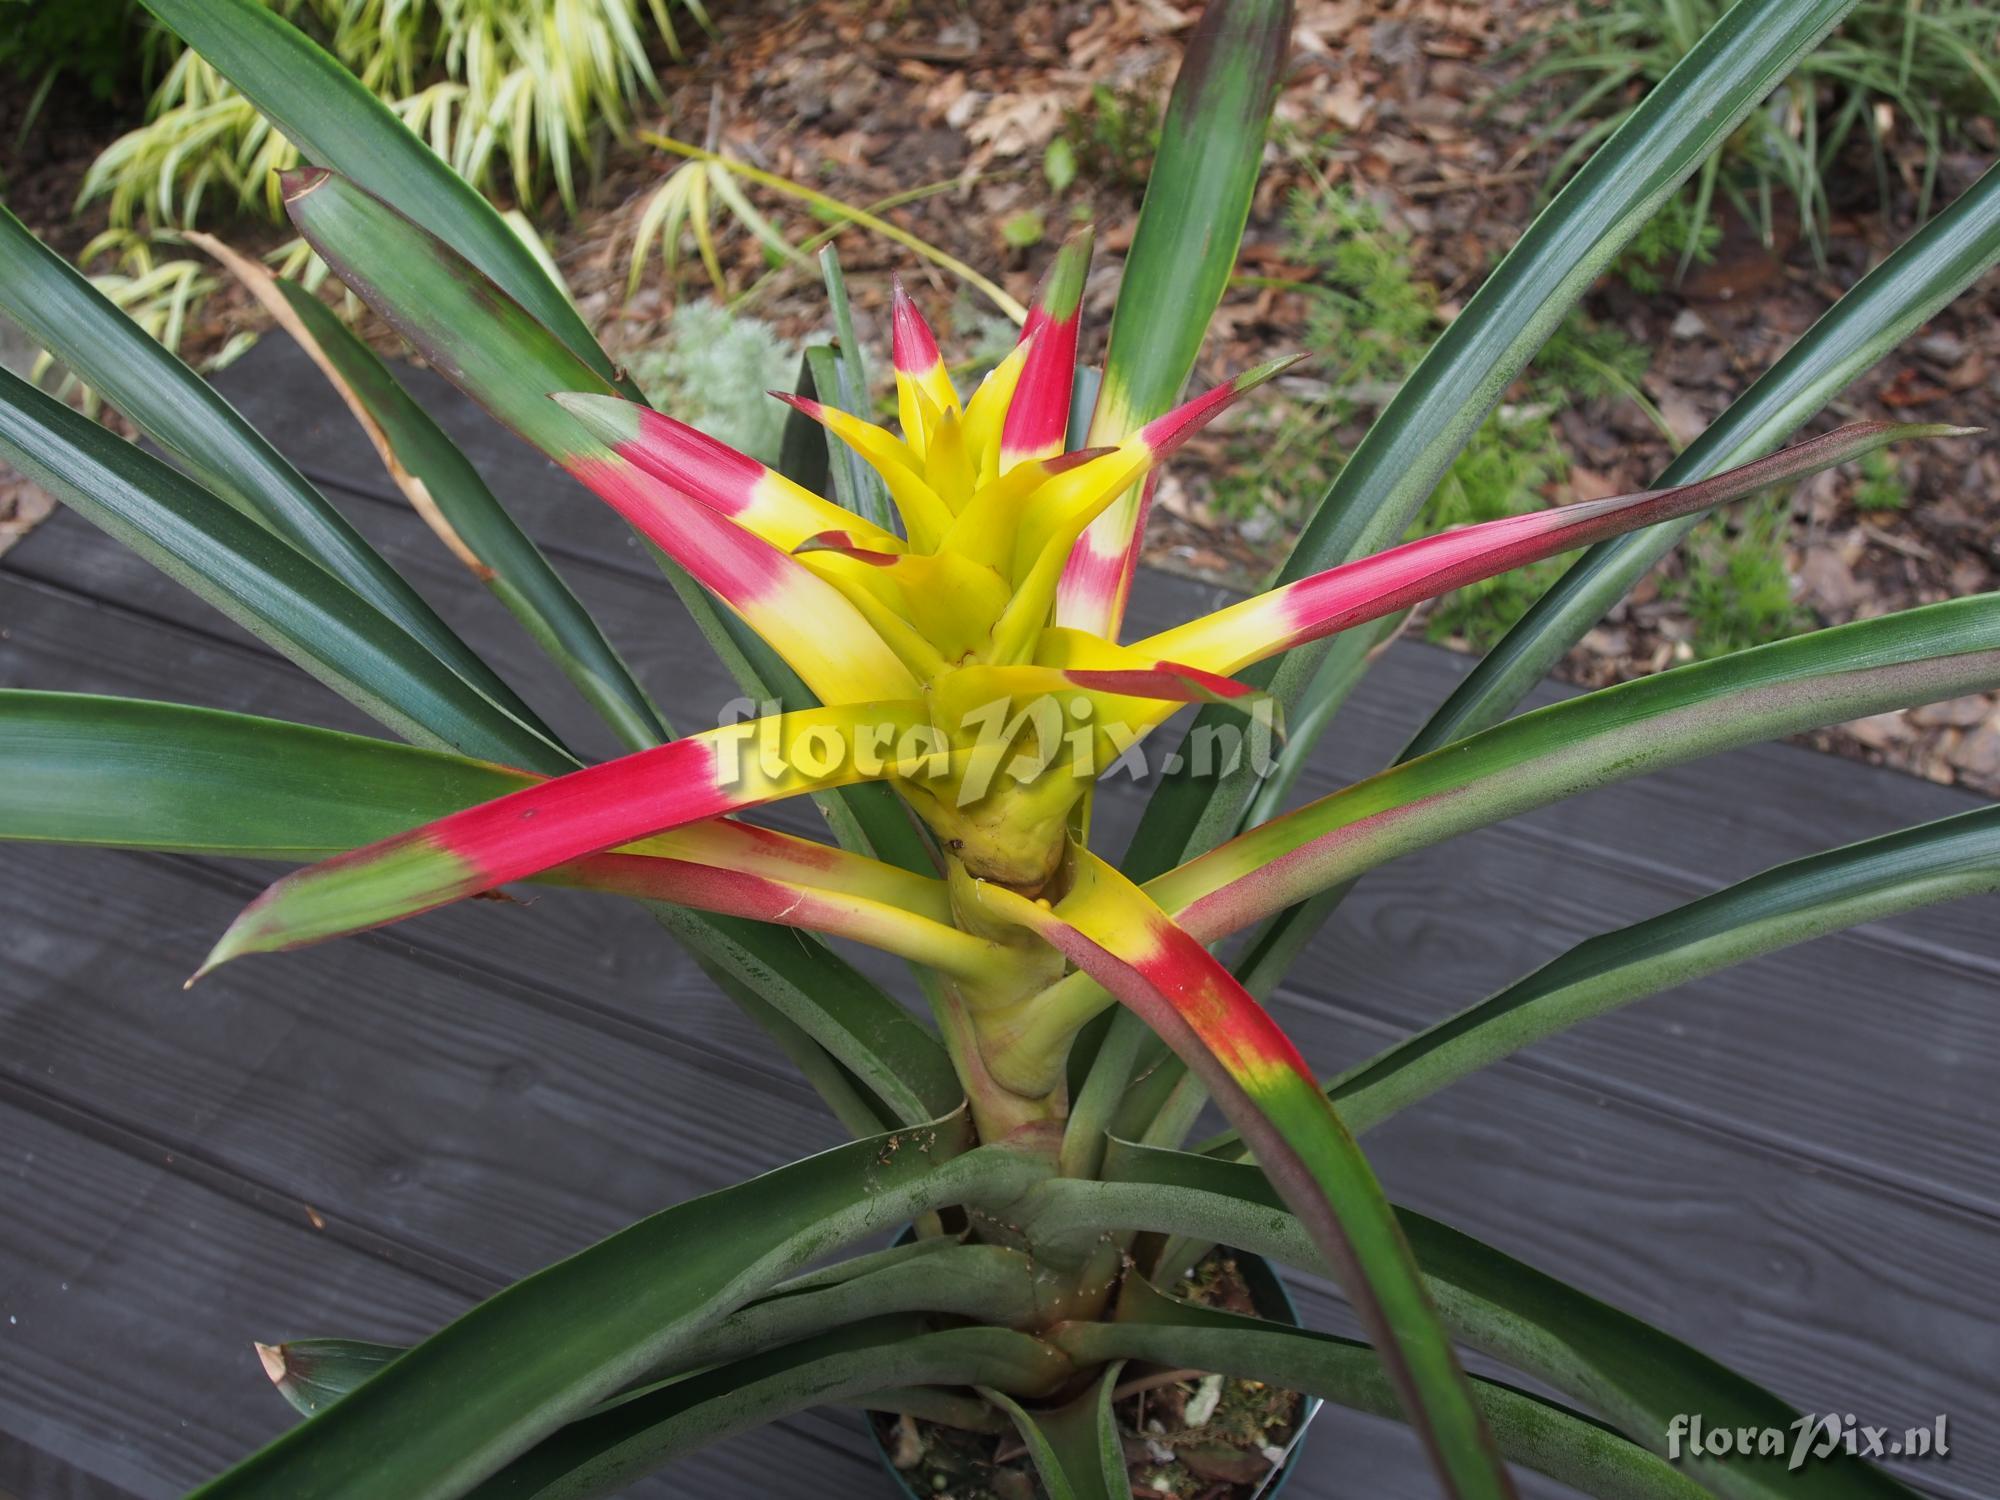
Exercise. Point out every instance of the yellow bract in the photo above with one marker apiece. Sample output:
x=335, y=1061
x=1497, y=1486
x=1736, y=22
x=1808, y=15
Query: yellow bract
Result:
x=966, y=598
x=984, y=547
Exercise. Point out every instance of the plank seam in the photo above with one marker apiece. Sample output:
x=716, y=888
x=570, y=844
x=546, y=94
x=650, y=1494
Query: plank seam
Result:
x=179, y=1159
x=556, y=551
x=567, y=1004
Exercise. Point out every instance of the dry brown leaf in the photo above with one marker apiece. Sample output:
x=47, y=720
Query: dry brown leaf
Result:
x=1015, y=124
x=1348, y=106
x=23, y=507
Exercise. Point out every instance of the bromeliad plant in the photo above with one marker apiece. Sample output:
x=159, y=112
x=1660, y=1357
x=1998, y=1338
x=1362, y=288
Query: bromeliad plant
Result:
x=941, y=639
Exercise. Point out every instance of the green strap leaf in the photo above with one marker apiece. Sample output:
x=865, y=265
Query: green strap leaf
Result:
x=465, y=322
x=450, y=1412
x=1792, y=903
x=258, y=581
x=840, y=376
x=1885, y=307
x=862, y=1026
x=508, y=562
x=1183, y=251
x=1607, y=1361
x=802, y=442
x=1888, y=304
x=853, y=1103
x=1075, y=1447
x=1348, y=657
x=931, y=1403
x=1536, y=1433
x=606, y=1452
x=181, y=412
x=989, y=1283
x=1197, y=202
x=985, y=1282
x=335, y=122
x=1383, y=485
x=1916, y=656
x=128, y=773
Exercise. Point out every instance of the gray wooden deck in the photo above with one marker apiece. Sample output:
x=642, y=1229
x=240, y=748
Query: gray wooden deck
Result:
x=1793, y=1165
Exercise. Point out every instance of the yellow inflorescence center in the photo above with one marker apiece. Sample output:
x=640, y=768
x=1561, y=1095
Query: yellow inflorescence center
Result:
x=975, y=582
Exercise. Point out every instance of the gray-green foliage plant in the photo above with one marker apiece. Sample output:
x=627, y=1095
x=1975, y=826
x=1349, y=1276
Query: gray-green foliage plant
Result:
x=712, y=367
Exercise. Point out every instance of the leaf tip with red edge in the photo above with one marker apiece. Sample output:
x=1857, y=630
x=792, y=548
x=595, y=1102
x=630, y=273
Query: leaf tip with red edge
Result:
x=804, y=405
x=296, y=182
x=1076, y=458
x=1062, y=287
x=844, y=545
x=913, y=346
x=1252, y=378
x=1166, y=433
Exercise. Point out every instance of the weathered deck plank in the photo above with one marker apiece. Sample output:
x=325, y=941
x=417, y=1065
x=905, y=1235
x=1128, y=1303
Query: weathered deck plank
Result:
x=1791, y=1165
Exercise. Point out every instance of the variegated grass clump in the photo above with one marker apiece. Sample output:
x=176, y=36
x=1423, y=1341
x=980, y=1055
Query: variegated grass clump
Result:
x=521, y=87
x=516, y=94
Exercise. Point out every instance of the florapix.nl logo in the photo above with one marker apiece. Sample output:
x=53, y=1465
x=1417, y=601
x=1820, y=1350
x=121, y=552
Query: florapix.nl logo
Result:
x=1007, y=740
x=1809, y=1438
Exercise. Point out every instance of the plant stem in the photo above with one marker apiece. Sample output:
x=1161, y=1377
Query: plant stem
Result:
x=998, y=1113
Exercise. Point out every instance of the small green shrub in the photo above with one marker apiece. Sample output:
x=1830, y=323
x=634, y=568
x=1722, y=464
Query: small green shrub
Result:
x=1113, y=136
x=1736, y=589
x=1881, y=485
x=1368, y=314
x=712, y=371
x=1674, y=238
x=1368, y=322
